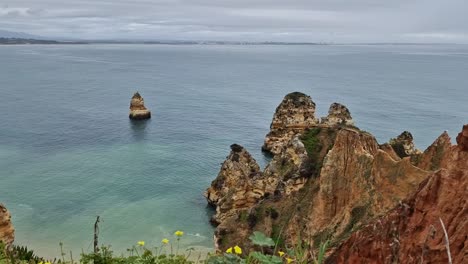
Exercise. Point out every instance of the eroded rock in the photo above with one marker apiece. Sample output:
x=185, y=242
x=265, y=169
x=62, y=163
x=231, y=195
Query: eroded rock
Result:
x=404, y=145
x=462, y=138
x=412, y=232
x=7, y=232
x=138, y=111
x=338, y=114
x=295, y=114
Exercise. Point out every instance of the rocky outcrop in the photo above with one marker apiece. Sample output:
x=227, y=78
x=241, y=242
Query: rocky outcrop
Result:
x=295, y=114
x=7, y=232
x=324, y=181
x=338, y=114
x=403, y=145
x=462, y=138
x=431, y=158
x=412, y=231
x=238, y=185
x=138, y=110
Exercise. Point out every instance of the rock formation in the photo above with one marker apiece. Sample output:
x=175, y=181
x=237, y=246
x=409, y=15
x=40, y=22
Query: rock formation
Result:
x=462, y=138
x=412, y=231
x=403, y=145
x=431, y=158
x=238, y=184
x=7, y=232
x=338, y=114
x=295, y=113
x=138, y=110
x=324, y=181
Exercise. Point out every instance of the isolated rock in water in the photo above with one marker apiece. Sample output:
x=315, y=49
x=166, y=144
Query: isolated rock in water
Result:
x=338, y=114
x=7, y=232
x=295, y=113
x=462, y=138
x=138, y=109
x=403, y=145
x=412, y=232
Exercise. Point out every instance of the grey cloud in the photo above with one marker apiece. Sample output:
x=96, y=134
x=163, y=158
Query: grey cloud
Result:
x=276, y=20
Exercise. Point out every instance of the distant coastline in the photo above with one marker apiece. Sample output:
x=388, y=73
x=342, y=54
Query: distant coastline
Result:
x=37, y=41
x=27, y=41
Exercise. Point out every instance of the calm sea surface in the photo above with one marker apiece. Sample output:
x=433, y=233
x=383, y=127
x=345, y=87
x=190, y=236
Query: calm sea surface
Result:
x=68, y=151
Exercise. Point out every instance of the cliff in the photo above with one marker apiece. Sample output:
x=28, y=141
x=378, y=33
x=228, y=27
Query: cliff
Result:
x=7, y=232
x=325, y=180
x=138, y=110
x=412, y=231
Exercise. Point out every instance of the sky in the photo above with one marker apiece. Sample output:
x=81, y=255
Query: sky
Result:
x=337, y=21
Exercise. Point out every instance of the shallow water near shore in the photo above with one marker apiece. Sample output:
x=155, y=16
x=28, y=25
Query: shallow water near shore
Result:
x=68, y=151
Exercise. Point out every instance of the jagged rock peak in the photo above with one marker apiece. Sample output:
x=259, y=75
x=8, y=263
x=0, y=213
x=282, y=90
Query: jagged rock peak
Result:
x=137, y=108
x=338, y=114
x=137, y=96
x=236, y=148
x=462, y=138
x=432, y=157
x=404, y=145
x=238, y=168
x=7, y=232
x=294, y=114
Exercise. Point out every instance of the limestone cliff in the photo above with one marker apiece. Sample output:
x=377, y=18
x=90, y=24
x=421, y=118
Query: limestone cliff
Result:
x=412, y=232
x=323, y=182
x=7, y=232
x=295, y=113
x=137, y=108
x=238, y=185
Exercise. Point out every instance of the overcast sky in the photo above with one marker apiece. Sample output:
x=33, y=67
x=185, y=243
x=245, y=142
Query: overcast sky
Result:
x=250, y=20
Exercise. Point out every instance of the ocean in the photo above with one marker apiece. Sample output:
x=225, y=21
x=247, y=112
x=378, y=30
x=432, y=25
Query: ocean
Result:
x=68, y=151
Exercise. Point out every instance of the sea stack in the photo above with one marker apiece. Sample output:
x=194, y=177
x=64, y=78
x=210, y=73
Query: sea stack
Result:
x=138, y=110
x=295, y=114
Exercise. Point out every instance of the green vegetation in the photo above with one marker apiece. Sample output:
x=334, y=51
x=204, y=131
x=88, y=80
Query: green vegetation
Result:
x=313, y=146
x=164, y=254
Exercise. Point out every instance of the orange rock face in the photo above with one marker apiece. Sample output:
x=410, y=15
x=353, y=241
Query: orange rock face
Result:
x=7, y=232
x=412, y=232
x=322, y=183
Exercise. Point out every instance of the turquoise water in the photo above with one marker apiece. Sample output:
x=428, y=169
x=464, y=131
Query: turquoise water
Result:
x=68, y=151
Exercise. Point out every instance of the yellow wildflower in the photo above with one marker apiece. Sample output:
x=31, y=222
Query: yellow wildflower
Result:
x=165, y=241
x=238, y=250
x=280, y=253
x=140, y=243
x=289, y=260
x=179, y=233
x=47, y=262
x=40, y=262
x=229, y=250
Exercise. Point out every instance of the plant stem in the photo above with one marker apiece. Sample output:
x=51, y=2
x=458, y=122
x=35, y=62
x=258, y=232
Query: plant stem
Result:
x=447, y=244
